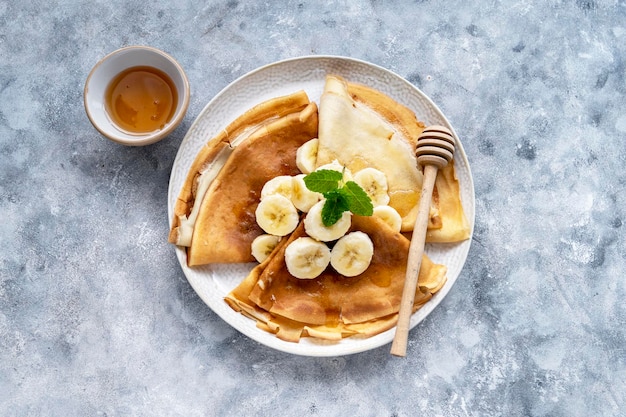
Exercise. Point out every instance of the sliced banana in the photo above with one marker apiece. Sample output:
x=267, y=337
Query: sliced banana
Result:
x=278, y=185
x=306, y=257
x=314, y=227
x=374, y=183
x=352, y=254
x=277, y=215
x=336, y=166
x=390, y=216
x=306, y=156
x=263, y=245
x=301, y=196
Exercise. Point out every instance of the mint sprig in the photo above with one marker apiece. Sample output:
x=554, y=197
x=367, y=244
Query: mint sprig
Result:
x=340, y=196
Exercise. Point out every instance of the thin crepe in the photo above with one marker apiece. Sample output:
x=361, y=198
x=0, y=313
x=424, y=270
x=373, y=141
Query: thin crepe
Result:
x=215, y=209
x=332, y=306
x=363, y=127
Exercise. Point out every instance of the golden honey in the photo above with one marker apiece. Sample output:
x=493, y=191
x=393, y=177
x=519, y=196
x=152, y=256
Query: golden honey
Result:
x=141, y=100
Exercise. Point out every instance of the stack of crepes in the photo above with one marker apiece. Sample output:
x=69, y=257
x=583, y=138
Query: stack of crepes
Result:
x=358, y=127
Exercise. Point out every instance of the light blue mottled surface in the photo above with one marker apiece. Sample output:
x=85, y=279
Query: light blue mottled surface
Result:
x=96, y=317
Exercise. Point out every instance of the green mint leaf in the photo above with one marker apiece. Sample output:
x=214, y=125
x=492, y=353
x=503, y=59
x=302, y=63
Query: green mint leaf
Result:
x=336, y=203
x=323, y=181
x=358, y=201
x=339, y=196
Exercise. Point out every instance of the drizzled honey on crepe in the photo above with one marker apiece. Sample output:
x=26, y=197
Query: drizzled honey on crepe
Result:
x=214, y=214
x=332, y=306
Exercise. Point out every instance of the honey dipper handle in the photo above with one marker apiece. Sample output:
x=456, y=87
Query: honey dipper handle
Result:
x=416, y=251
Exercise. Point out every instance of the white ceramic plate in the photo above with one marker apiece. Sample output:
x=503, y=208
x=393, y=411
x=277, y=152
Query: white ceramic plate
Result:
x=213, y=282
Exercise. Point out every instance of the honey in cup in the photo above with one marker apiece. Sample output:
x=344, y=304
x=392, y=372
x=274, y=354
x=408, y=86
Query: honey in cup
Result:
x=141, y=100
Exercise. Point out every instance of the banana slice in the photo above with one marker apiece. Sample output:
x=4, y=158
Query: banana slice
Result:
x=263, y=245
x=336, y=166
x=301, y=196
x=314, y=227
x=277, y=215
x=278, y=185
x=352, y=254
x=306, y=257
x=390, y=216
x=374, y=182
x=306, y=156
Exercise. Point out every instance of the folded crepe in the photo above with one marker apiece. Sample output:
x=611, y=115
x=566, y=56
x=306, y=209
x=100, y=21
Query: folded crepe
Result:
x=214, y=214
x=363, y=127
x=332, y=306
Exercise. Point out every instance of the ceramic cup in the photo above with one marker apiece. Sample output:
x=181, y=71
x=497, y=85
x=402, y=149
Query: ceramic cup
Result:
x=115, y=63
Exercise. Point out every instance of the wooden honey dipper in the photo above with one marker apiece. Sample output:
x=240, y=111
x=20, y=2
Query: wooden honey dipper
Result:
x=435, y=147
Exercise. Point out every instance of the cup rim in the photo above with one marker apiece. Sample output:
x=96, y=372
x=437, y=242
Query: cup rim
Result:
x=152, y=137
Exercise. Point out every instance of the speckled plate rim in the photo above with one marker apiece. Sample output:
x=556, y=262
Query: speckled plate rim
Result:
x=212, y=283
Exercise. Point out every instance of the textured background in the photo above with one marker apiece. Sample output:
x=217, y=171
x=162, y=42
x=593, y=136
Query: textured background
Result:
x=96, y=317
